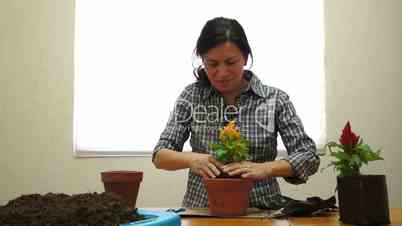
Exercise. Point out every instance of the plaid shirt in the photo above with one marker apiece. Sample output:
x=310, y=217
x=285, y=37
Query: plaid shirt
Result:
x=260, y=113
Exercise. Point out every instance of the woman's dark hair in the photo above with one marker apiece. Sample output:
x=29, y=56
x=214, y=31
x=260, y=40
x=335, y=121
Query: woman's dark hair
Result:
x=215, y=32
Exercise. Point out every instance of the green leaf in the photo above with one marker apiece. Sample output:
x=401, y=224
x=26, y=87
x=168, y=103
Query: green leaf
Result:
x=229, y=150
x=341, y=155
x=331, y=145
x=215, y=146
x=221, y=155
x=367, y=154
x=356, y=161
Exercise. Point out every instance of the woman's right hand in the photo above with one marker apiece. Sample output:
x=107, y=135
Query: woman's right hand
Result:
x=205, y=165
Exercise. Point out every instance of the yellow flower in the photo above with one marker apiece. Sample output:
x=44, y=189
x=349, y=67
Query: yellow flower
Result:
x=229, y=131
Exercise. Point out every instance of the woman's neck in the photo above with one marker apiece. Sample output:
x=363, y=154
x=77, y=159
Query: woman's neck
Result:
x=230, y=98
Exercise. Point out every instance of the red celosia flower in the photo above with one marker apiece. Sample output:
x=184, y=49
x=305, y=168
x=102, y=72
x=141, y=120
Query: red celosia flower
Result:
x=351, y=153
x=348, y=139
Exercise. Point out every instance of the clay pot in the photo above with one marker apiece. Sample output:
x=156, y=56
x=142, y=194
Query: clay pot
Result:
x=228, y=196
x=124, y=184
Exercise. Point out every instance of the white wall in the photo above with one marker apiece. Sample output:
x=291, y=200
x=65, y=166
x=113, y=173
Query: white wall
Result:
x=364, y=74
x=363, y=66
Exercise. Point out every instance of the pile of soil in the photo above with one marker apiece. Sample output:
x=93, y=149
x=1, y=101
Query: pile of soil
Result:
x=89, y=209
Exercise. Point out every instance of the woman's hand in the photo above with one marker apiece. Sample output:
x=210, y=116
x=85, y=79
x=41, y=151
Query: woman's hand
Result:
x=252, y=170
x=205, y=165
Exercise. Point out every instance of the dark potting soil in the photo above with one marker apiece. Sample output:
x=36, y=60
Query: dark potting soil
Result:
x=89, y=209
x=226, y=175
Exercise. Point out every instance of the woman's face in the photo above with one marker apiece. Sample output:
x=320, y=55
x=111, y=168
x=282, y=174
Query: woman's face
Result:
x=224, y=66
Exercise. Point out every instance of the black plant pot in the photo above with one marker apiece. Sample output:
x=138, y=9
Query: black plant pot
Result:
x=363, y=199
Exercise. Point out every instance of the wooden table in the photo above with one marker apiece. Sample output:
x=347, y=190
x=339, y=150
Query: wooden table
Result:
x=331, y=220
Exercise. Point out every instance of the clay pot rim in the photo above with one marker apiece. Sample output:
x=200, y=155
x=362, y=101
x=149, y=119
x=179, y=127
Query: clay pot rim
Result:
x=121, y=176
x=228, y=179
x=228, y=184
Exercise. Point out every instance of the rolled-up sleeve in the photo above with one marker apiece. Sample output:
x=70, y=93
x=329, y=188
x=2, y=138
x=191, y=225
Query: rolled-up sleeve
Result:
x=301, y=149
x=177, y=129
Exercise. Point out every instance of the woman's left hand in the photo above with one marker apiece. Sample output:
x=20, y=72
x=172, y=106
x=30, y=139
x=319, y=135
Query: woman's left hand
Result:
x=246, y=169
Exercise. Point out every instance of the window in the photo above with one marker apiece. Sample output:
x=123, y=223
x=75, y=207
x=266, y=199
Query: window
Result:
x=127, y=50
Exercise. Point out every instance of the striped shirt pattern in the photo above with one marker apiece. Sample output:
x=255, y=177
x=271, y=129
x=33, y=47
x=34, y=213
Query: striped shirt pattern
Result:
x=261, y=113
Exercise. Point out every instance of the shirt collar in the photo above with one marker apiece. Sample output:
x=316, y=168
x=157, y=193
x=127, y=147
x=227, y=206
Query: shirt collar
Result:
x=254, y=86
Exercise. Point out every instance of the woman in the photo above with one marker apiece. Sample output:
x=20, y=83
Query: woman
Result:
x=224, y=91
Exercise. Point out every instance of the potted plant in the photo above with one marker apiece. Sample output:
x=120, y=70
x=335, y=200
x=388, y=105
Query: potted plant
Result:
x=362, y=199
x=228, y=196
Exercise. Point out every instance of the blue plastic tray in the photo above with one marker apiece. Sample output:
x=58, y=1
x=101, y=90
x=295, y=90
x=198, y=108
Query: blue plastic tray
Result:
x=156, y=218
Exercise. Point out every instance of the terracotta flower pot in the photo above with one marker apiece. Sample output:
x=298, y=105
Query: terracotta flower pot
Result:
x=363, y=199
x=228, y=196
x=124, y=184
